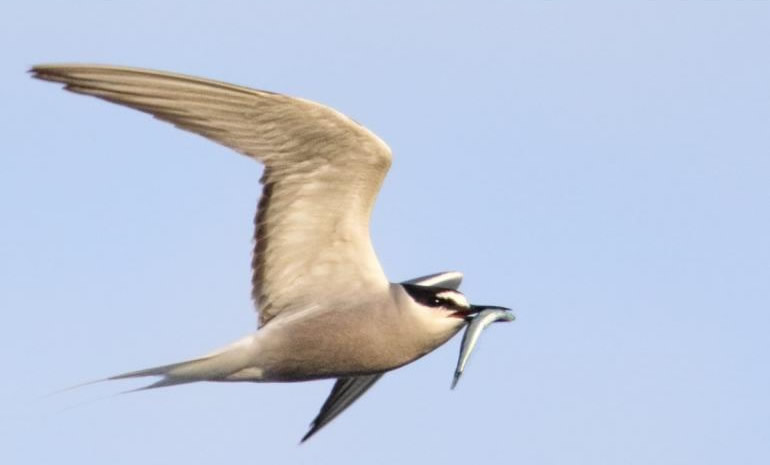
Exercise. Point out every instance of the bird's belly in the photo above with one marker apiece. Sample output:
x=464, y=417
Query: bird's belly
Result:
x=316, y=348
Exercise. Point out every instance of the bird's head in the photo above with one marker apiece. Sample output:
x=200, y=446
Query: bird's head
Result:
x=446, y=302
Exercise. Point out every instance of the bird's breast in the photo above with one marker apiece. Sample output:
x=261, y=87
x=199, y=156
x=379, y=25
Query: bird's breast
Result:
x=331, y=343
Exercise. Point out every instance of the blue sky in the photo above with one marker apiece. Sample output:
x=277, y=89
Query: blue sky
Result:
x=603, y=169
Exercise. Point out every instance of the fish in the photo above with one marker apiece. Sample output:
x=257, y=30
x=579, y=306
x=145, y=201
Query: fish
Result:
x=472, y=333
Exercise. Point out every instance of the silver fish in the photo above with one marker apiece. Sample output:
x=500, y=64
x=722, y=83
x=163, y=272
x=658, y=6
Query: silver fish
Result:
x=472, y=333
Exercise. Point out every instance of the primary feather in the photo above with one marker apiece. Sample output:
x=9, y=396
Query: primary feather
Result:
x=322, y=173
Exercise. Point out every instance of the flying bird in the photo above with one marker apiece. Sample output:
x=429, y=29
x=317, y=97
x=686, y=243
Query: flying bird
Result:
x=326, y=308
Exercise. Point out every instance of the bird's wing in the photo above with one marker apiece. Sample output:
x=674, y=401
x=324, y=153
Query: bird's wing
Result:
x=345, y=392
x=446, y=279
x=348, y=390
x=322, y=173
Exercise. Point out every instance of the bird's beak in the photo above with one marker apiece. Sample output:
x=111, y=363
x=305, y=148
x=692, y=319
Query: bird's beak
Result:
x=476, y=309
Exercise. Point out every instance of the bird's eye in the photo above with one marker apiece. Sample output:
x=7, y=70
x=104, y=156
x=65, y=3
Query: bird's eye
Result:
x=437, y=302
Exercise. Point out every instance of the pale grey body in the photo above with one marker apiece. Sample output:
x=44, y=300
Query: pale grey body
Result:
x=326, y=308
x=382, y=334
x=347, y=339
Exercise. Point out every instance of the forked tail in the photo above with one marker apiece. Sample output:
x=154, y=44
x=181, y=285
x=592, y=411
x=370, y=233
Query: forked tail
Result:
x=216, y=366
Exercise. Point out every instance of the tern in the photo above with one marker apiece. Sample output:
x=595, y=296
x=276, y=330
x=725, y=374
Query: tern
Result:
x=326, y=308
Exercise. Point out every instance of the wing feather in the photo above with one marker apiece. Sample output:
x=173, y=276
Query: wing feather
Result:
x=322, y=172
x=345, y=392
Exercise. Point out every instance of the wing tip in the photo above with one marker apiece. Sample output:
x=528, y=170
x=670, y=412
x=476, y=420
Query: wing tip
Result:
x=39, y=71
x=53, y=72
x=313, y=429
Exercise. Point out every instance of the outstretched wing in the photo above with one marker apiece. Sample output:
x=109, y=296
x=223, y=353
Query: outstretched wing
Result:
x=345, y=392
x=322, y=173
x=348, y=390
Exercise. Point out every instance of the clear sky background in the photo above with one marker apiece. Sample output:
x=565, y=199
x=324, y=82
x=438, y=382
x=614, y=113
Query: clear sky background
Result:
x=603, y=169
